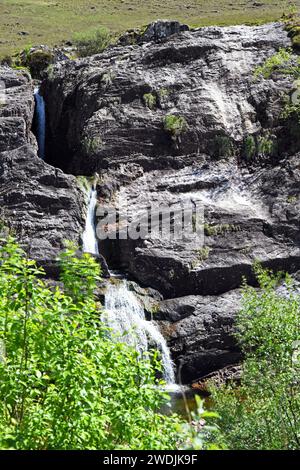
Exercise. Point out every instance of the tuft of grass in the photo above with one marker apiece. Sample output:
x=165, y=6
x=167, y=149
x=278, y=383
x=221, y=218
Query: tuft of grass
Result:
x=223, y=147
x=211, y=230
x=250, y=147
x=150, y=100
x=175, y=125
x=92, y=42
x=278, y=62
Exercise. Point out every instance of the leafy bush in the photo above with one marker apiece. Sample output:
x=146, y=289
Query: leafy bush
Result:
x=92, y=42
x=223, y=147
x=266, y=145
x=91, y=145
x=250, y=147
x=38, y=62
x=175, y=125
x=65, y=383
x=278, y=62
x=150, y=100
x=264, y=412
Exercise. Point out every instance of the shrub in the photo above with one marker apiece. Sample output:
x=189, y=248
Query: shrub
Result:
x=279, y=62
x=150, y=100
x=202, y=255
x=292, y=25
x=220, y=229
x=90, y=145
x=65, y=382
x=223, y=147
x=38, y=62
x=250, y=147
x=175, y=125
x=92, y=42
x=263, y=412
x=35, y=60
x=266, y=145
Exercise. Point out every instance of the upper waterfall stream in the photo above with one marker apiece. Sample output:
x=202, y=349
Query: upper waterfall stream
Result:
x=40, y=119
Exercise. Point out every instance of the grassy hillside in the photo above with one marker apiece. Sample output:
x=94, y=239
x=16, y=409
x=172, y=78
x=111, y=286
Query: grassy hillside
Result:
x=24, y=22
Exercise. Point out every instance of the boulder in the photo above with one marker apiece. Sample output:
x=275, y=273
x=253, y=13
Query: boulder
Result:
x=200, y=332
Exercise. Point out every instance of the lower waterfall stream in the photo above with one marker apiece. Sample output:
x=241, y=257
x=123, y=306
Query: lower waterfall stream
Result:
x=124, y=313
x=126, y=317
x=89, y=239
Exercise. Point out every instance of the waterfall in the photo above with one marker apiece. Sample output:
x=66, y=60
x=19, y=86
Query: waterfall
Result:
x=89, y=238
x=124, y=313
x=126, y=317
x=40, y=117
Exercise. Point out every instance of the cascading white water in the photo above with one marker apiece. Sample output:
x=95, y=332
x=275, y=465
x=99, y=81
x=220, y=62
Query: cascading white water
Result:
x=125, y=315
x=89, y=238
x=40, y=122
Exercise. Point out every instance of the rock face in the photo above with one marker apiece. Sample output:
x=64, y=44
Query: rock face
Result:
x=179, y=119
x=42, y=204
x=115, y=105
x=200, y=332
x=111, y=113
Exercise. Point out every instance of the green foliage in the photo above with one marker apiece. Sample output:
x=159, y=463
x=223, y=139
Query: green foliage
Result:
x=292, y=25
x=264, y=411
x=150, y=100
x=50, y=72
x=92, y=42
x=208, y=435
x=223, y=147
x=65, y=382
x=250, y=147
x=175, y=125
x=202, y=255
x=90, y=145
x=279, y=62
x=291, y=110
x=38, y=62
x=292, y=199
x=220, y=229
x=266, y=145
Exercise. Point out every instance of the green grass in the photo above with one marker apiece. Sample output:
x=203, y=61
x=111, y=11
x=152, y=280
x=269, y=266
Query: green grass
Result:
x=51, y=22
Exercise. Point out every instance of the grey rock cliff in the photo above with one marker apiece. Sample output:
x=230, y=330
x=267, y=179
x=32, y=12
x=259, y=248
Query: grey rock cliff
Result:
x=107, y=114
x=42, y=204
